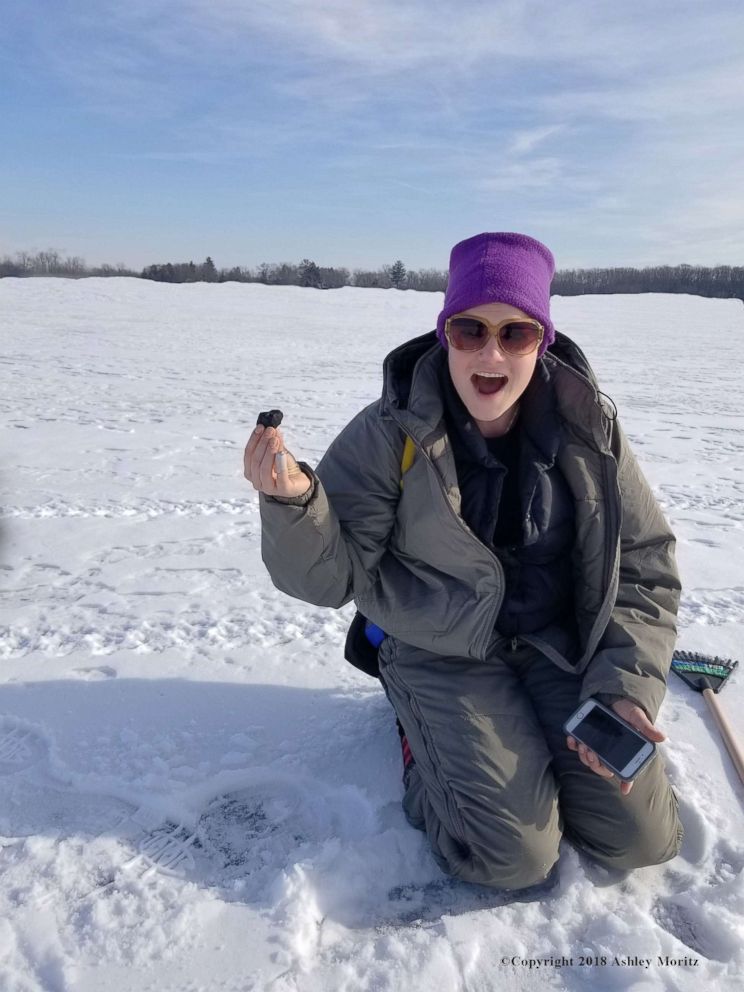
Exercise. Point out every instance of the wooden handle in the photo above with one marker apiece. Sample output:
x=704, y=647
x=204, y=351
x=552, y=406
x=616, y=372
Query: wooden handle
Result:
x=734, y=749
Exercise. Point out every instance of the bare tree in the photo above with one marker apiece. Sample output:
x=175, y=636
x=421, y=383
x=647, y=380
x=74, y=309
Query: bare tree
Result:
x=427, y=280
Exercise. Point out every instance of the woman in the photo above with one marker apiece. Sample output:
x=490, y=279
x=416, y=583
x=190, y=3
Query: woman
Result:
x=520, y=566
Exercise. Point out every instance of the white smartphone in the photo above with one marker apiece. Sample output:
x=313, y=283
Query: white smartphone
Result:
x=617, y=745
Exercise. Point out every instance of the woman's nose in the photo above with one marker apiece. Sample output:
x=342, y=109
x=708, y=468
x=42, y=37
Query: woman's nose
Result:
x=491, y=349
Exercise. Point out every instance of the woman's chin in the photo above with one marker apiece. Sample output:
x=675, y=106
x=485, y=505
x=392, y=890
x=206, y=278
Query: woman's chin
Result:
x=489, y=407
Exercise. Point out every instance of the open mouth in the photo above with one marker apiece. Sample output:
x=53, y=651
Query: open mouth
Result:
x=488, y=384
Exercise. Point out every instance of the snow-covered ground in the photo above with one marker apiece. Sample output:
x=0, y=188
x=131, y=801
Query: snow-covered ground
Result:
x=196, y=791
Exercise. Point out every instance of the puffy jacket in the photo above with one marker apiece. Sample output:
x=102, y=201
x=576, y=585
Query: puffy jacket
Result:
x=413, y=566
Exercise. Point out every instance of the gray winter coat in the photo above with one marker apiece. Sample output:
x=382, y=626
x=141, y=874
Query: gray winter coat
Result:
x=413, y=566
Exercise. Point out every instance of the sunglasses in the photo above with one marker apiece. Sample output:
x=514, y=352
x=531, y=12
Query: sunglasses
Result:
x=515, y=335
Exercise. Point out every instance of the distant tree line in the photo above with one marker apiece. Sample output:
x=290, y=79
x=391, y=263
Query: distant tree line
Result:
x=306, y=273
x=721, y=281
x=51, y=263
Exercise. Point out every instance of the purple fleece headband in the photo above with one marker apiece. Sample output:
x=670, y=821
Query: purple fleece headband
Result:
x=500, y=268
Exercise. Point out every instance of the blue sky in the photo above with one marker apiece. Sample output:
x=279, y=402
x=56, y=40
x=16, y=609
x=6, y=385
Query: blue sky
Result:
x=356, y=133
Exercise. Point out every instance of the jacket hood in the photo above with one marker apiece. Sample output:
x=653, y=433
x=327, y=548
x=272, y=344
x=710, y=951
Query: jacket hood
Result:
x=398, y=368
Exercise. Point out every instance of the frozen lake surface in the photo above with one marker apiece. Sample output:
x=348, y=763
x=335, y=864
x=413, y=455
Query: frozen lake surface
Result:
x=196, y=791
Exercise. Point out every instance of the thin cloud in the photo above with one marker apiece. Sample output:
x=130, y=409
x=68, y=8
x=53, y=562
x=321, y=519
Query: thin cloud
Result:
x=365, y=45
x=524, y=142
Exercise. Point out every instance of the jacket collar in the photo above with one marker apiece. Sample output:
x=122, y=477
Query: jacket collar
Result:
x=412, y=392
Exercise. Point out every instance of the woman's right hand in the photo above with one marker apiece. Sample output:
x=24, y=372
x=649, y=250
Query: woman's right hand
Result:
x=270, y=468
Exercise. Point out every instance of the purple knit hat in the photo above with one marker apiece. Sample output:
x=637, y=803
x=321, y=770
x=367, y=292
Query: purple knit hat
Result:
x=500, y=268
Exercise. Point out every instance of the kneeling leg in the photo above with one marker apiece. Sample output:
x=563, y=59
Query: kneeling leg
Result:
x=482, y=786
x=619, y=831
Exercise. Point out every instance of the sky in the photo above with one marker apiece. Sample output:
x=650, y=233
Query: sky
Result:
x=356, y=133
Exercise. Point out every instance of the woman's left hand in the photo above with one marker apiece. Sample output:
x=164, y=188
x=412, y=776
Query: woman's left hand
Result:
x=637, y=718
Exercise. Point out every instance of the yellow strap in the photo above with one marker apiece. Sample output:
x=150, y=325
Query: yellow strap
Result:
x=409, y=453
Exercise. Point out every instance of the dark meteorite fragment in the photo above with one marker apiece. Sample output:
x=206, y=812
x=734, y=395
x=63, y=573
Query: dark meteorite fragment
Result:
x=270, y=418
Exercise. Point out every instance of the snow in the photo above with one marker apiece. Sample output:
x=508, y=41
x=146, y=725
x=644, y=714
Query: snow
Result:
x=196, y=791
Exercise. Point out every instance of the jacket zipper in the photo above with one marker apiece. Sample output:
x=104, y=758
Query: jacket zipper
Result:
x=593, y=641
x=610, y=528
x=610, y=559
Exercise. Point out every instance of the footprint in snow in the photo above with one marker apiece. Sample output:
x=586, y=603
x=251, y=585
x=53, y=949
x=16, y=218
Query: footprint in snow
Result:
x=240, y=841
x=694, y=918
x=251, y=834
x=33, y=802
x=21, y=746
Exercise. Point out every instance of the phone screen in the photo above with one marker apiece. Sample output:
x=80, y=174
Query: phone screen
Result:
x=608, y=738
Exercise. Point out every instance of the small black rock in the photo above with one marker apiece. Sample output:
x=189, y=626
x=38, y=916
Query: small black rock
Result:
x=270, y=418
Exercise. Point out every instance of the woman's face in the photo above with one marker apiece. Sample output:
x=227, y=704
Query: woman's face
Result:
x=491, y=411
